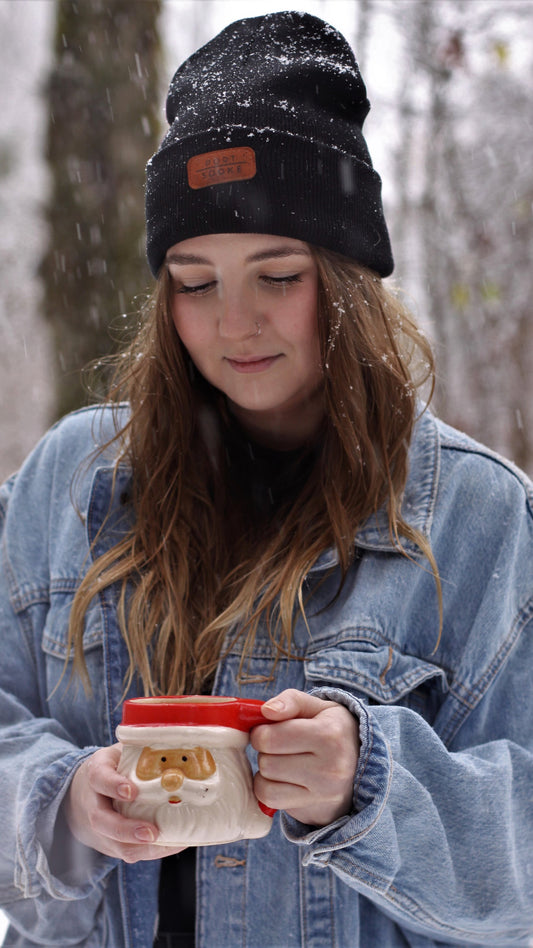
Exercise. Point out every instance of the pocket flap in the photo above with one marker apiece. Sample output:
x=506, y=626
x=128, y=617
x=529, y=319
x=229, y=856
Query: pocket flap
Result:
x=55, y=632
x=380, y=671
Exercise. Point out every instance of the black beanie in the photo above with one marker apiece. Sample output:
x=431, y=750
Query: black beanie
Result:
x=265, y=137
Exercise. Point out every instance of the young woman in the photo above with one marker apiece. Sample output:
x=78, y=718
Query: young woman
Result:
x=264, y=509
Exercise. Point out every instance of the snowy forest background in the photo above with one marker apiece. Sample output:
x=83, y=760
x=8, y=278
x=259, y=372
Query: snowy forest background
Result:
x=450, y=131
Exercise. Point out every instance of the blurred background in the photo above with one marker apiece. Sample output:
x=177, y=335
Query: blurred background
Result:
x=451, y=132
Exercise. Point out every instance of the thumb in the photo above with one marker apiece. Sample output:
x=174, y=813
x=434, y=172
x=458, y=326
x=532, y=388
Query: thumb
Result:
x=293, y=704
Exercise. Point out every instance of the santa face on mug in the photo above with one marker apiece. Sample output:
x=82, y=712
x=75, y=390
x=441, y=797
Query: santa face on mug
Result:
x=194, y=795
x=182, y=773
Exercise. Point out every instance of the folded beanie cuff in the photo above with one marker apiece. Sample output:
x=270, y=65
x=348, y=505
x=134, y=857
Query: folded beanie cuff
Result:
x=294, y=187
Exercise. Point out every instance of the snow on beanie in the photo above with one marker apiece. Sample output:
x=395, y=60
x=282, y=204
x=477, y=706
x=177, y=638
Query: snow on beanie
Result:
x=266, y=137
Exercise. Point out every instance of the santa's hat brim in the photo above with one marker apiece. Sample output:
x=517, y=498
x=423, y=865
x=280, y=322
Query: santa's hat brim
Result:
x=167, y=735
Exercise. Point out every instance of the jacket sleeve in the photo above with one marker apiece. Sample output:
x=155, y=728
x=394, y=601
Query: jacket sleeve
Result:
x=443, y=846
x=441, y=833
x=49, y=883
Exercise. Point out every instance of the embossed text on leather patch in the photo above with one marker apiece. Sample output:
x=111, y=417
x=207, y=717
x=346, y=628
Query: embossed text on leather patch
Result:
x=217, y=167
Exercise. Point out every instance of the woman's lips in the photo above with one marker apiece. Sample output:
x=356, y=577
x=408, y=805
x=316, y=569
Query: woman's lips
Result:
x=252, y=364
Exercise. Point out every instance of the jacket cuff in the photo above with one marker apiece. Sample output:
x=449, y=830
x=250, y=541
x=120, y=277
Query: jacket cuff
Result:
x=49, y=857
x=371, y=788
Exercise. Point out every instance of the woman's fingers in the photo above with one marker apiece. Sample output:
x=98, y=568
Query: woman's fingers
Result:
x=293, y=704
x=108, y=823
x=93, y=819
x=307, y=757
x=103, y=777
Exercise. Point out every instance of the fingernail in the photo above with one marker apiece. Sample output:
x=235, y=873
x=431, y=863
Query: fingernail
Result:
x=276, y=704
x=144, y=834
x=124, y=791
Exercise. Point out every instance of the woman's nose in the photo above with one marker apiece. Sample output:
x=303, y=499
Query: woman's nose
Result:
x=172, y=779
x=238, y=316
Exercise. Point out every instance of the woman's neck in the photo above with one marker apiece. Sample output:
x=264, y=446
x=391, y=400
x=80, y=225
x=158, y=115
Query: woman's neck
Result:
x=281, y=431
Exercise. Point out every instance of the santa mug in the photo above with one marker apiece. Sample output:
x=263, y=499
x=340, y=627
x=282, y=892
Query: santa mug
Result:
x=187, y=757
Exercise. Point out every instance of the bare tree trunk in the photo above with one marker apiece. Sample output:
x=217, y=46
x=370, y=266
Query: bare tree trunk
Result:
x=102, y=93
x=464, y=187
x=434, y=264
x=362, y=31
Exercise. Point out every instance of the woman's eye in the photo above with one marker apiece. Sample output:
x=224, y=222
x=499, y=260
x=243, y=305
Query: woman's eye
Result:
x=198, y=289
x=283, y=280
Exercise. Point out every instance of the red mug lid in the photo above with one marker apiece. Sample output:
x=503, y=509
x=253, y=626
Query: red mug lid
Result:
x=193, y=710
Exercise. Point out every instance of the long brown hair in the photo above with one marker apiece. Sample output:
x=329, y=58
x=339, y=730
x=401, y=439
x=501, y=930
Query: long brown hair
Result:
x=192, y=571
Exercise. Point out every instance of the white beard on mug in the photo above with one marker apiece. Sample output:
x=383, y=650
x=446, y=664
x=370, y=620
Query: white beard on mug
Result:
x=218, y=808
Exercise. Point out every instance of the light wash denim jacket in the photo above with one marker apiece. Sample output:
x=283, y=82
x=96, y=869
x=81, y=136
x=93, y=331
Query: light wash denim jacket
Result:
x=438, y=848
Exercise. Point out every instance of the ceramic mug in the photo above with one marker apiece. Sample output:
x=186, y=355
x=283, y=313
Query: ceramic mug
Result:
x=187, y=756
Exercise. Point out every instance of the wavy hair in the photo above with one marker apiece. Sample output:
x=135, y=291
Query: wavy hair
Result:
x=195, y=572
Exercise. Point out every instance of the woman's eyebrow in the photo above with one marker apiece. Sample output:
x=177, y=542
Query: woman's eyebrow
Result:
x=276, y=252
x=185, y=258
x=273, y=252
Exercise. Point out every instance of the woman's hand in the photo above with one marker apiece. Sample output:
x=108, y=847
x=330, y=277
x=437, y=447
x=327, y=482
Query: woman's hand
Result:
x=307, y=759
x=93, y=820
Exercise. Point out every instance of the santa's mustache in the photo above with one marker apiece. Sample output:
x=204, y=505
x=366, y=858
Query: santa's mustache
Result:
x=173, y=787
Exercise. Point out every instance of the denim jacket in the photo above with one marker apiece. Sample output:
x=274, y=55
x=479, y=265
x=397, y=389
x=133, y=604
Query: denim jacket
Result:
x=438, y=847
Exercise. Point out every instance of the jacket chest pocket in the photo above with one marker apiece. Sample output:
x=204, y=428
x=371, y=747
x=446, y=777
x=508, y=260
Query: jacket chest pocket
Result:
x=379, y=673
x=66, y=701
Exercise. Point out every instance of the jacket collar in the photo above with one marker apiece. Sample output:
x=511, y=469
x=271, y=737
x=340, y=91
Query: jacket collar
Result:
x=417, y=505
x=418, y=501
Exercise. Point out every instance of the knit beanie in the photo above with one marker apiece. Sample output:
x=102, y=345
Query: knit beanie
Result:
x=266, y=137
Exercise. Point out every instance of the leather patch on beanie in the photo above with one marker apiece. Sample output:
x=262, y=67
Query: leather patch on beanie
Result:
x=217, y=167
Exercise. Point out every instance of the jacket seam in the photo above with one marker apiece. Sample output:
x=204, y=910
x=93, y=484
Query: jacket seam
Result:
x=320, y=849
x=364, y=768
x=405, y=903
x=20, y=615
x=468, y=701
x=478, y=450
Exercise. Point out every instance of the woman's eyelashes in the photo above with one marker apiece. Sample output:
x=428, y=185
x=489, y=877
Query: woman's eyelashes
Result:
x=200, y=289
x=282, y=280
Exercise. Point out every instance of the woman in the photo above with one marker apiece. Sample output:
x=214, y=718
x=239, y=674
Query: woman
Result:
x=262, y=508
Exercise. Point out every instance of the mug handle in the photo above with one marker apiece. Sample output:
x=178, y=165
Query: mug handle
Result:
x=265, y=809
x=250, y=714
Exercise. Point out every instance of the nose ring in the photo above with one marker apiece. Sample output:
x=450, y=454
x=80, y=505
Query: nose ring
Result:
x=258, y=329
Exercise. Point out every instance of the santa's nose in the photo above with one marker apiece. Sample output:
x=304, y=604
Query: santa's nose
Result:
x=172, y=779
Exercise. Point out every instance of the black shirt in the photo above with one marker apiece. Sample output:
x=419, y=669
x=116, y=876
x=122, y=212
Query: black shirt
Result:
x=268, y=479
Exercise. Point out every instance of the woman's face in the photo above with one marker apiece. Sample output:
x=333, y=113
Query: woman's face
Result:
x=245, y=308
